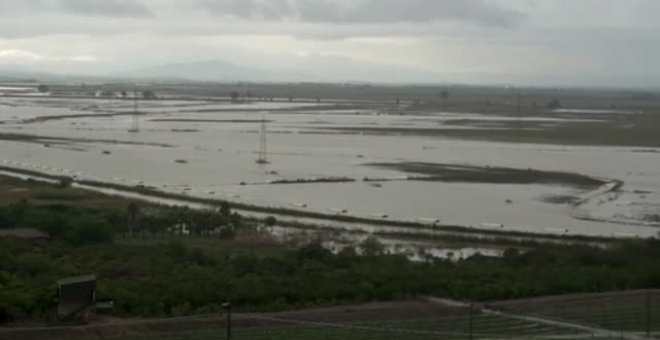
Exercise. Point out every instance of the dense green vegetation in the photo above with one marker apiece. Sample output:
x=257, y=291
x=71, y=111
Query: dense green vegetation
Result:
x=72, y=226
x=162, y=261
x=75, y=226
x=30, y=268
x=157, y=268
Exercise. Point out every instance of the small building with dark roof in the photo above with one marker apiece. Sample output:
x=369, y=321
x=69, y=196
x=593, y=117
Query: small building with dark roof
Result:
x=24, y=234
x=77, y=297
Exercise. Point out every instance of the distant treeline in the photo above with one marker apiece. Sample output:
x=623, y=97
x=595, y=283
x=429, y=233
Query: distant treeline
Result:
x=77, y=227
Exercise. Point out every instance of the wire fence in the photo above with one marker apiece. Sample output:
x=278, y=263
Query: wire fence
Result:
x=630, y=313
x=624, y=315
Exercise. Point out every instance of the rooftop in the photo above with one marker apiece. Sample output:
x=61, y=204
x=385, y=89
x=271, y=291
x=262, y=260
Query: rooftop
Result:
x=24, y=233
x=77, y=279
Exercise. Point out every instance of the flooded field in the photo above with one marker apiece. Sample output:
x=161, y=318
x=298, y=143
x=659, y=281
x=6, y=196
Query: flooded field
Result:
x=321, y=158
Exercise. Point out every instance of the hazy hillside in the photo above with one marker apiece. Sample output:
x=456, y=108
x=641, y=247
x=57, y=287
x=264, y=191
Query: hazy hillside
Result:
x=209, y=70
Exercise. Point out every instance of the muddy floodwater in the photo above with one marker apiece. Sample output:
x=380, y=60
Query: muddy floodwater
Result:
x=209, y=149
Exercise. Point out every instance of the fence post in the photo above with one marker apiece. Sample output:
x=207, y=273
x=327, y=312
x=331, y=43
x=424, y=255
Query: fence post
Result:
x=471, y=321
x=648, y=314
x=227, y=306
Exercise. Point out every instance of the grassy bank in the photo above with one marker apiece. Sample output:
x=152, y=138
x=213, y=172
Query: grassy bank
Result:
x=46, y=140
x=495, y=175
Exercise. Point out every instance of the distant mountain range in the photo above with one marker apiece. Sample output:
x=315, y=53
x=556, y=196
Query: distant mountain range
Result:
x=17, y=73
x=9, y=73
x=208, y=70
x=313, y=68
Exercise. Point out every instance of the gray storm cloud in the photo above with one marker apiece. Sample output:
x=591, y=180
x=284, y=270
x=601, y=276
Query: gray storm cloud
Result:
x=105, y=7
x=112, y=8
x=369, y=11
x=534, y=41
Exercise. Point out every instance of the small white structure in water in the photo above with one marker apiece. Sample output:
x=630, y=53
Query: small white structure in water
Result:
x=557, y=230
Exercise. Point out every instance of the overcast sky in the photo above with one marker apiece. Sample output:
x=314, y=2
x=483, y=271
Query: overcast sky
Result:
x=536, y=42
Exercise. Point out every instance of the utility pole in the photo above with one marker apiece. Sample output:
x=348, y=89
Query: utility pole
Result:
x=471, y=321
x=136, y=120
x=518, y=102
x=648, y=314
x=227, y=306
x=263, y=151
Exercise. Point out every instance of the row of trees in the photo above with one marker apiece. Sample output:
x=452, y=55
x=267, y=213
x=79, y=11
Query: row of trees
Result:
x=236, y=96
x=444, y=94
x=81, y=227
x=144, y=94
x=552, y=104
x=179, y=221
x=72, y=226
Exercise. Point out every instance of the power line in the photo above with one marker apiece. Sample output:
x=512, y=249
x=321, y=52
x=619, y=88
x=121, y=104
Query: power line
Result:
x=136, y=120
